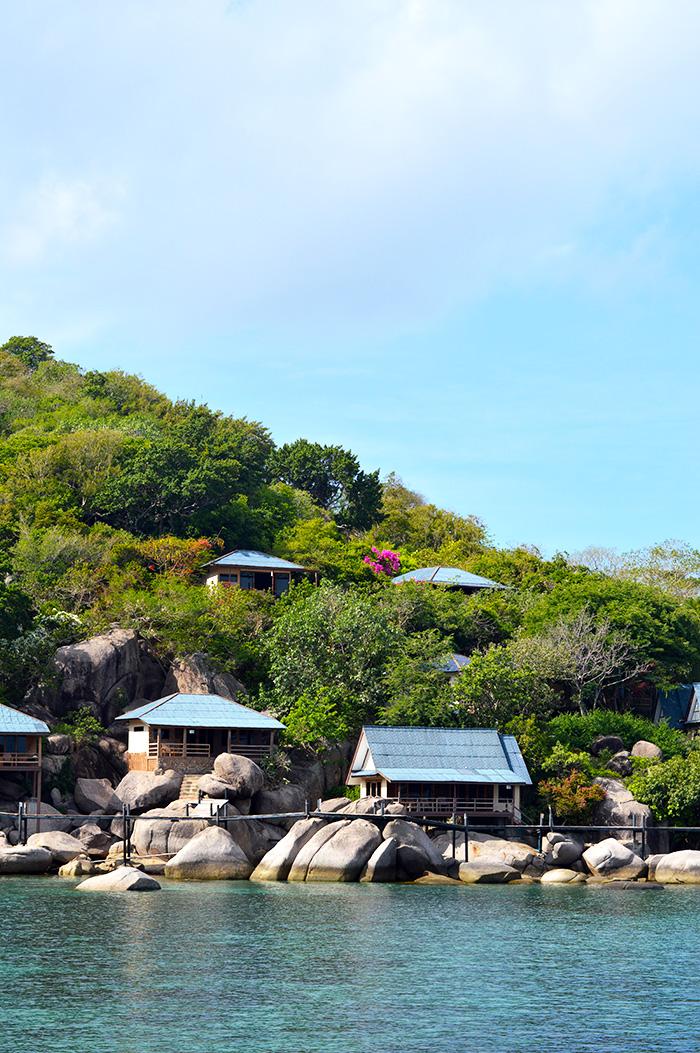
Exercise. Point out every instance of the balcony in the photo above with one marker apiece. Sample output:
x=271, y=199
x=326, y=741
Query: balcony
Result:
x=202, y=749
x=446, y=806
x=25, y=761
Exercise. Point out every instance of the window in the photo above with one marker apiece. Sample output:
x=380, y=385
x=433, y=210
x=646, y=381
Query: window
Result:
x=13, y=743
x=224, y=577
x=138, y=727
x=281, y=584
x=247, y=579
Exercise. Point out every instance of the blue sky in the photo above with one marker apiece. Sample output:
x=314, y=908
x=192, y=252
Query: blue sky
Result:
x=458, y=238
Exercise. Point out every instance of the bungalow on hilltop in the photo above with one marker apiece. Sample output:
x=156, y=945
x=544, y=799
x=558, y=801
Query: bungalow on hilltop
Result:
x=451, y=577
x=440, y=772
x=186, y=733
x=247, y=569
x=20, y=745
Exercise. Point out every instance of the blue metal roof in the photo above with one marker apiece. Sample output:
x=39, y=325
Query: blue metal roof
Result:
x=200, y=711
x=247, y=557
x=455, y=663
x=674, y=705
x=12, y=722
x=443, y=755
x=449, y=576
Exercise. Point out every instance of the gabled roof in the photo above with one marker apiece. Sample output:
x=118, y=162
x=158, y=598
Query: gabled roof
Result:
x=448, y=576
x=439, y=755
x=455, y=663
x=680, y=706
x=200, y=711
x=12, y=722
x=248, y=557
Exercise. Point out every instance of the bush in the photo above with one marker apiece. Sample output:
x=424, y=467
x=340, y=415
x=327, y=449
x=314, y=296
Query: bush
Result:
x=671, y=789
x=83, y=728
x=577, y=732
x=572, y=798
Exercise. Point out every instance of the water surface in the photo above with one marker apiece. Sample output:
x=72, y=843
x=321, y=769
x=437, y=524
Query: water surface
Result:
x=235, y=967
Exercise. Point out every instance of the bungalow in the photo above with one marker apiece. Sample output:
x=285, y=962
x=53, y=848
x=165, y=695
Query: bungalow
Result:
x=247, y=569
x=20, y=745
x=452, y=577
x=680, y=708
x=186, y=733
x=437, y=772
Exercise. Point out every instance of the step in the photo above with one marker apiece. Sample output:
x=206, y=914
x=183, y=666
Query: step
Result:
x=189, y=789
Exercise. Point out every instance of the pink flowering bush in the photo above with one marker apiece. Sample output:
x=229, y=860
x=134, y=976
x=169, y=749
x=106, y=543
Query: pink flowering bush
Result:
x=384, y=561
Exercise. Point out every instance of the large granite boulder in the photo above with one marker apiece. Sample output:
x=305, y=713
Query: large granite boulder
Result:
x=515, y=853
x=621, y=763
x=123, y=879
x=143, y=790
x=647, y=749
x=560, y=850
x=373, y=806
x=381, y=865
x=58, y=744
x=610, y=858
x=679, y=868
x=300, y=866
x=199, y=675
x=98, y=673
x=277, y=862
x=444, y=845
x=287, y=798
x=25, y=859
x=63, y=847
x=241, y=773
x=619, y=809
x=155, y=832
x=81, y=866
x=214, y=787
x=95, y=841
x=51, y=819
x=343, y=857
x=613, y=743
x=104, y=759
x=415, y=852
x=562, y=876
x=93, y=794
x=212, y=855
x=487, y=872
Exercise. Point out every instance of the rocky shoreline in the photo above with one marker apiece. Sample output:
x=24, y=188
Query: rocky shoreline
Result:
x=227, y=835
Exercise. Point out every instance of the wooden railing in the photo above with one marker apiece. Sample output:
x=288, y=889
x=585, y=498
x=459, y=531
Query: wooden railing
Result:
x=19, y=760
x=179, y=749
x=453, y=806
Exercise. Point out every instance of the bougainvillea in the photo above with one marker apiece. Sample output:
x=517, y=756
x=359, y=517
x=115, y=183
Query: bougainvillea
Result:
x=384, y=561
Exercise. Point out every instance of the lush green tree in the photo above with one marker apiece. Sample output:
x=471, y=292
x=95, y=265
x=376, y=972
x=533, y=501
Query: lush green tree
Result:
x=671, y=789
x=418, y=690
x=494, y=689
x=420, y=530
x=334, y=480
x=28, y=350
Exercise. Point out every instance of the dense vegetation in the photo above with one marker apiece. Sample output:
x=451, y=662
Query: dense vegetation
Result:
x=112, y=497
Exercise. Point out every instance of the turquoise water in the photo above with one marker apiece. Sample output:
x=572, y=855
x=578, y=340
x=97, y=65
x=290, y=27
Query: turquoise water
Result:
x=243, y=968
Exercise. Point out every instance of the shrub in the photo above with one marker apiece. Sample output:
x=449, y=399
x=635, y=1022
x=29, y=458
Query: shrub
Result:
x=577, y=731
x=572, y=798
x=83, y=728
x=671, y=789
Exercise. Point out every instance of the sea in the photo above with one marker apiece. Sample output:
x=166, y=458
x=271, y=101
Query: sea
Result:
x=237, y=967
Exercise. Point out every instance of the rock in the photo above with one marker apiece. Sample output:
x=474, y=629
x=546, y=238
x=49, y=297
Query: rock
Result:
x=143, y=790
x=435, y=879
x=155, y=833
x=105, y=759
x=679, y=868
x=51, y=819
x=343, y=857
x=647, y=749
x=335, y=804
x=373, y=806
x=381, y=865
x=51, y=766
x=613, y=743
x=123, y=879
x=515, y=853
x=288, y=798
x=25, y=859
x=199, y=675
x=276, y=864
x=213, y=786
x=562, y=876
x=415, y=852
x=621, y=763
x=241, y=773
x=619, y=808
x=81, y=866
x=487, y=872
x=98, y=674
x=91, y=794
x=300, y=866
x=58, y=744
x=62, y=846
x=10, y=790
x=651, y=862
x=95, y=841
x=562, y=849
x=212, y=855
x=611, y=858
x=308, y=772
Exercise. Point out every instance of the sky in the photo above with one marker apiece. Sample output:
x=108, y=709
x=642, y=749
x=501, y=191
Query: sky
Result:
x=461, y=239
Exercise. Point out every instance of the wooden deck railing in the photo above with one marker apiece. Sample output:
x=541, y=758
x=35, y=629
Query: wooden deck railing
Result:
x=179, y=749
x=19, y=760
x=453, y=806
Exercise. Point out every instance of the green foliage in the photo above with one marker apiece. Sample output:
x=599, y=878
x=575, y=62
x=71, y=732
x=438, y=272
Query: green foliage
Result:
x=418, y=691
x=534, y=742
x=25, y=659
x=28, y=350
x=671, y=788
x=572, y=797
x=82, y=727
x=421, y=531
x=577, y=732
x=333, y=479
x=314, y=720
x=493, y=690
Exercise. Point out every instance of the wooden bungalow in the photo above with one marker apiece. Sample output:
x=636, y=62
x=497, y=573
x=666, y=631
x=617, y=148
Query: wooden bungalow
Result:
x=20, y=745
x=247, y=569
x=439, y=772
x=186, y=733
x=451, y=578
